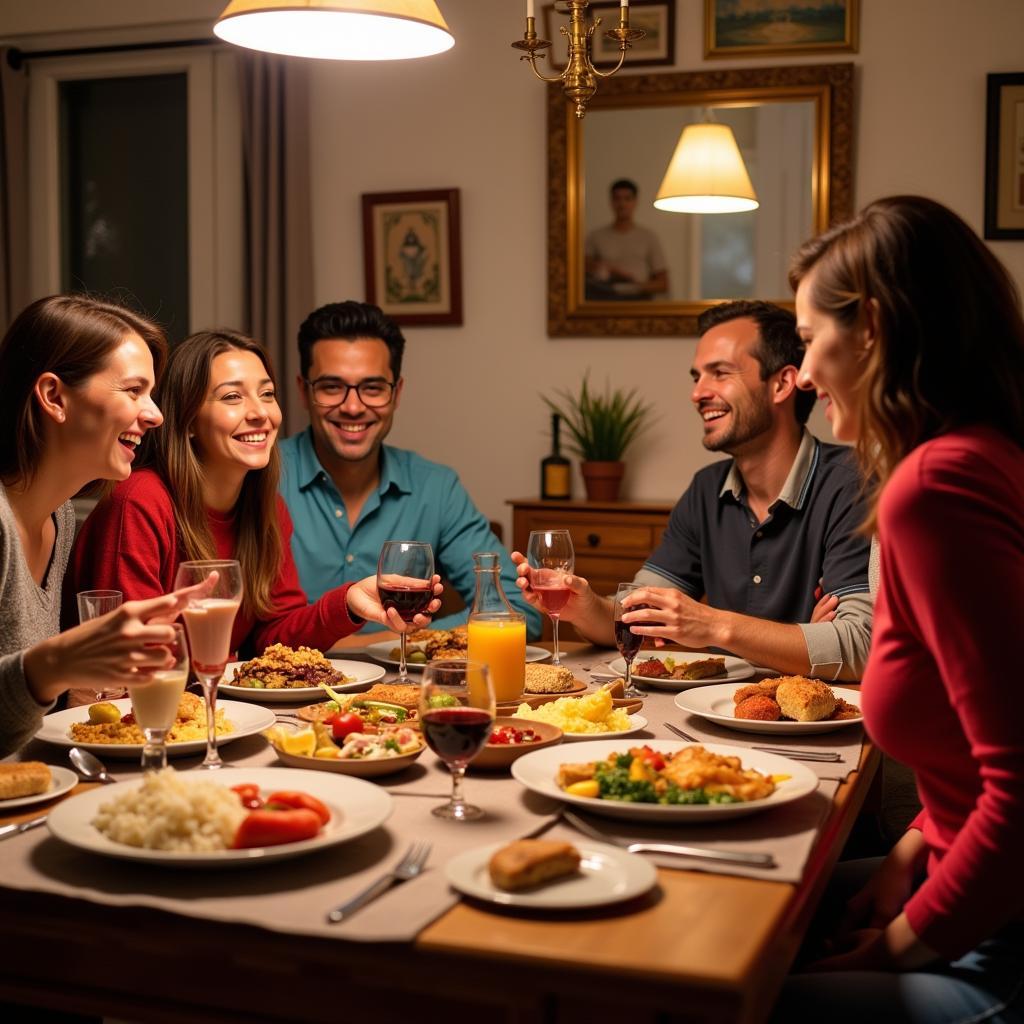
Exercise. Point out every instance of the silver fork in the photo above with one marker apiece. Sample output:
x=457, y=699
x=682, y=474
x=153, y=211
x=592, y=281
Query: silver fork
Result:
x=408, y=867
x=761, y=860
x=795, y=755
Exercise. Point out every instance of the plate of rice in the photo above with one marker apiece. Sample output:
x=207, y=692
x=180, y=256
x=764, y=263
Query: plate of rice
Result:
x=188, y=819
x=281, y=674
x=72, y=728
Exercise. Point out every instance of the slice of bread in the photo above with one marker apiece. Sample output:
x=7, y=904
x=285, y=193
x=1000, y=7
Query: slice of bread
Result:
x=548, y=679
x=24, y=779
x=529, y=862
x=805, y=700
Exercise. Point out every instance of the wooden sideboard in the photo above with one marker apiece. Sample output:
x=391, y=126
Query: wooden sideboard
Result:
x=612, y=539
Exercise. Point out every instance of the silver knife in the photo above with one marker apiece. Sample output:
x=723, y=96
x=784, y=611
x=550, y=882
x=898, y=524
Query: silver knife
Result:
x=15, y=830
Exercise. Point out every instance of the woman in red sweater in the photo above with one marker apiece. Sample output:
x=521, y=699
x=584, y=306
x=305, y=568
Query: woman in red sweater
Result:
x=915, y=341
x=209, y=490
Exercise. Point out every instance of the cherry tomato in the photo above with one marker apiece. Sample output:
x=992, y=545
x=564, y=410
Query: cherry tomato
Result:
x=653, y=758
x=274, y=828
x=249, y=793
x=291, y=798
x=344, y=723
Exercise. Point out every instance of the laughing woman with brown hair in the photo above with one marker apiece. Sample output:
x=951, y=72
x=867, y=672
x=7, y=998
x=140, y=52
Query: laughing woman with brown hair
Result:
x=209, y=490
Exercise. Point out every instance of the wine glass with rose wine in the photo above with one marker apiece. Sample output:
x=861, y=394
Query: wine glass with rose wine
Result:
x=209, y=620
x=155, y=702
x=405, y=573
x=626, y=640
x=456, y=714
x=551, y=557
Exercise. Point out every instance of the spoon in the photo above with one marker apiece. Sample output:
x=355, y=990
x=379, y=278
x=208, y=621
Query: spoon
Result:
x=88, y=766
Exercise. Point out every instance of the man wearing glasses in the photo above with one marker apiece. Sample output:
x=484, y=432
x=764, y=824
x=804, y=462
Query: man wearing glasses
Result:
x=347, y=491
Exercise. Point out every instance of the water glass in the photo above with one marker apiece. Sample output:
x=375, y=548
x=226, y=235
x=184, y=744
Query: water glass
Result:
x=91, y=605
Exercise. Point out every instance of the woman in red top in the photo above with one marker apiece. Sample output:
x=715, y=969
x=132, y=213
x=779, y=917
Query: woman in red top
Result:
x=209, y=490
x=915, y=341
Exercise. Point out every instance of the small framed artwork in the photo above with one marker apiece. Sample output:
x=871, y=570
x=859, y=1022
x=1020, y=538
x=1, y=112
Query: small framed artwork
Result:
x=412, y=256
x=656, y=17
x=763, y=28
x=1004, y=157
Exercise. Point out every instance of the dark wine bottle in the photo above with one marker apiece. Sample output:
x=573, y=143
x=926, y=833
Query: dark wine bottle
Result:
x=555, y=475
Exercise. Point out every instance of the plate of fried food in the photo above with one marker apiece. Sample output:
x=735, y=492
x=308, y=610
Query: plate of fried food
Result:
x=432, y=644
x=665, y=781
x=680, y=670
x=545, y=874
x=785, y=704
x=281, y=674
x=108, y=727
x=31, y=782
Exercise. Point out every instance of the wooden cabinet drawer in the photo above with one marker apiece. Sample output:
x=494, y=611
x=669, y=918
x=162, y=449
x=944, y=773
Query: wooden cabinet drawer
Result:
x=597, y=534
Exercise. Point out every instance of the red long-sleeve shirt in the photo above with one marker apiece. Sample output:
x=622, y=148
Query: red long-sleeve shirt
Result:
x=942, y=690
x=130, y=543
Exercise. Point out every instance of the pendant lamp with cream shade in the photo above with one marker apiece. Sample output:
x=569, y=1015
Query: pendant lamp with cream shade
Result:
x=706, y=174
x=336, y=29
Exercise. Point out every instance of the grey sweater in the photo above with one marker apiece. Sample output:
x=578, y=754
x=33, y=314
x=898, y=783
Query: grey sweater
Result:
x=28, y=614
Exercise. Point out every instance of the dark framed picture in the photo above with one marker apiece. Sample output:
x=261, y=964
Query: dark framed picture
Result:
x=1004, y=157
x=734, y=28
x=412, y=256
x=656, y=17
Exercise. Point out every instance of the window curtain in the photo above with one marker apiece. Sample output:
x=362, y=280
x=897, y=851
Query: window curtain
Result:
x=14, y=283
x=278, y=219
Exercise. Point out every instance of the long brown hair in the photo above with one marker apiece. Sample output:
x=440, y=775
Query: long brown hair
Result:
x=71, y=336
x=182, y=392
x=949, y=349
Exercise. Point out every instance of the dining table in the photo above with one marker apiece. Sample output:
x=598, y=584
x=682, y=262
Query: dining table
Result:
x=140, y=942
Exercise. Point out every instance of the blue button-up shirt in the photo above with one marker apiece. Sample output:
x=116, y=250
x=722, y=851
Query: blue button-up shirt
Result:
x=416, y=499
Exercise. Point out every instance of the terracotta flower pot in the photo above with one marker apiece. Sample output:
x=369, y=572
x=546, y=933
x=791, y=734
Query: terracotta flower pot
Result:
x=602, y=479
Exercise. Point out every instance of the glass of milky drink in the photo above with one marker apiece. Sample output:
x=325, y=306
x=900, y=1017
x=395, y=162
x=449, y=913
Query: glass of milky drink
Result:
x=155, y=702
x=208, y=621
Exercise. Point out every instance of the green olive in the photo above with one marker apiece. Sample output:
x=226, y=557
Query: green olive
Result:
x=417, y=657
x=395, y=653
x=104, y=712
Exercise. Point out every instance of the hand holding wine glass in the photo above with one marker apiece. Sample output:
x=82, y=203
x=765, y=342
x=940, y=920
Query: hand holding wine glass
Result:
x=456, y=713
x=405, y=582
x=551, y=557
x=209, y=619
x=155, y=701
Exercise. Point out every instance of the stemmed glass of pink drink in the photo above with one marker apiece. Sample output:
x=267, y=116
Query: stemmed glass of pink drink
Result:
x=551, y=557
x=209, y=620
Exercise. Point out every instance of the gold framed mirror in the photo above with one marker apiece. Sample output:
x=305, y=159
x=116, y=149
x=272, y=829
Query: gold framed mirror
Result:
x=794, y=128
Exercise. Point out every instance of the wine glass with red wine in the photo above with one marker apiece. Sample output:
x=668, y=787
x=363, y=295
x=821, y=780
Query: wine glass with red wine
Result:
x=456, y=716
x=551, y=557
x=627, y=641
x=405, y=571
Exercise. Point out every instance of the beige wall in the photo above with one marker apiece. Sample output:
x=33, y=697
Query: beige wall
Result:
x=474, y=119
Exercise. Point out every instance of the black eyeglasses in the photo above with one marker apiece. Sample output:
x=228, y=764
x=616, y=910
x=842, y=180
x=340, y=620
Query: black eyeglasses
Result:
x=329, y=392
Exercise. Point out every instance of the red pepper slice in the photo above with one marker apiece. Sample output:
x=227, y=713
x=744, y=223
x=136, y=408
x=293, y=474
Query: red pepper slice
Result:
x=249, y=794
x=288, y=798
x=274, y=828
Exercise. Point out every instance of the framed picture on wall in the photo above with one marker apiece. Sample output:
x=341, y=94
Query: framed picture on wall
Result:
x=412, y=256
x=656, y=17
x=734, y=28
x=1004, y=157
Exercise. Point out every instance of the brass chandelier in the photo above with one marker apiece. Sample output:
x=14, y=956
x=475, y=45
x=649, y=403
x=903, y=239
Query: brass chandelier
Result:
x=580, y=76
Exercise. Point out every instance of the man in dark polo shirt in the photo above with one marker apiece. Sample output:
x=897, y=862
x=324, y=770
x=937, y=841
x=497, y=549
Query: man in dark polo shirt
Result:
x=759, y=533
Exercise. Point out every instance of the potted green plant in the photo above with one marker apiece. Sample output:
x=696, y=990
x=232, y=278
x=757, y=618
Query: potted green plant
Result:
x=601, y=428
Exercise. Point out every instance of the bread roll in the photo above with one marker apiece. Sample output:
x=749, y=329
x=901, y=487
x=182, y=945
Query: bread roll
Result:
x=529, y=862
x=548, y=679
x=805, y=700
x=24, y=779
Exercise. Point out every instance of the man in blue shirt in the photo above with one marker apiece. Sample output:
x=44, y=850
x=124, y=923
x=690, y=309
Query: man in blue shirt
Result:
x=348, y=492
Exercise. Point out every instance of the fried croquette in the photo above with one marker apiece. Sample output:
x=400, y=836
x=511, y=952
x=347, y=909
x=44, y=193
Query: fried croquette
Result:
x=758, y=707
x=765, y=688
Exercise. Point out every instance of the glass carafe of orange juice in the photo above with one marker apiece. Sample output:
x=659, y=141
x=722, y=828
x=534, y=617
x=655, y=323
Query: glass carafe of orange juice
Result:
x=497, y=633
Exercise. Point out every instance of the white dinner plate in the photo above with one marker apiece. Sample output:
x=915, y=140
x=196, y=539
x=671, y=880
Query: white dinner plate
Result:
x=538, y=771
x=607, y=874
x=361, y=673
x=61, y=781
x=247, y=719
x=735, y=669
x=381, y=651
x=356, y=808
x=636, y=723
x=715, y=703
